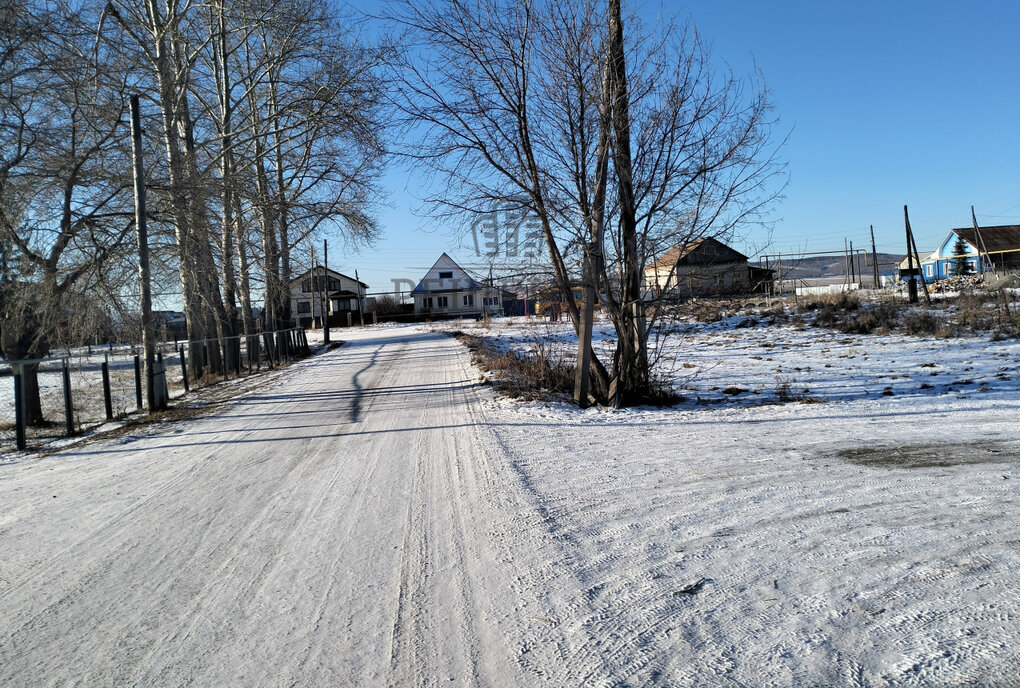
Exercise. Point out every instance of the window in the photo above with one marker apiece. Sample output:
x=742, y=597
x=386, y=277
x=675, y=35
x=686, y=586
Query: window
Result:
x=442, y=302
x=928, y=270
x=426, y=302
x=446, y=275
x=469, y=299
x=490, y=300
x=304, y=307
x=315, y=282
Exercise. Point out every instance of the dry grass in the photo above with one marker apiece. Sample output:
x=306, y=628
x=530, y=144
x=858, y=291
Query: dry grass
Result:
x=540, y=374
x=978, y=312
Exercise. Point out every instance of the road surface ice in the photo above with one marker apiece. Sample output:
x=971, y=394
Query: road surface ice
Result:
x=375, y=517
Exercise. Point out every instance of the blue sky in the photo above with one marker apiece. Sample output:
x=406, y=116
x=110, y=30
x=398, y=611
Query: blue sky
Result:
x=887, y=103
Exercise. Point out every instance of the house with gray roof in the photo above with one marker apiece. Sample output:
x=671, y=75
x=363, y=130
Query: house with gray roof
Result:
x=448, y=291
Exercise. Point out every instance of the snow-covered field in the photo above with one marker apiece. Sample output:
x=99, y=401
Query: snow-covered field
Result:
x=756, y=363
x=870, y=539
x=378, y=517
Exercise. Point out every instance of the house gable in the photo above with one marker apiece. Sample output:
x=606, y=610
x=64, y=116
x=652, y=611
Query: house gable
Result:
x=446, y=277
x=447, y=290
x=945, y=249
x=702, y=267
x=346, y=294
x=705, y=251
x=710, y=251
x=310, y=281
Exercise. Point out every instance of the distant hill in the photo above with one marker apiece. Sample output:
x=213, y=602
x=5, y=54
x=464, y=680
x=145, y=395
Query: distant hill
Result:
x=832, y=266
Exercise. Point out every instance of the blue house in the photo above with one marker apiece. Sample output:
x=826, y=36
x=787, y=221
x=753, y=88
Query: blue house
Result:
x=999, y=250
x=942, y=261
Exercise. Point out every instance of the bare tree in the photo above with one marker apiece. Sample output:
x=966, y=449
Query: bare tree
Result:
x=618, y=143
x=316, y=146
x=64, y=203
x=159, y=34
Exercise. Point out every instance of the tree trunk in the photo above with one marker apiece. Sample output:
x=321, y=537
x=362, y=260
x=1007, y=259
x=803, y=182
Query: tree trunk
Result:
x=33, y=400
x=166, y=77
x=282, y=215
x=582, y=378
x=247, y=316
x=232, y=346
x=631, y=353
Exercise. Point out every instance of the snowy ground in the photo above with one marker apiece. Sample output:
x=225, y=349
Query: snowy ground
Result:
x=377, y=517
x=745, y=361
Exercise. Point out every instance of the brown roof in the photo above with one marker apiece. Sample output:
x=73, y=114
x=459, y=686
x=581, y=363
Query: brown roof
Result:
x=679, y=253
x=999, y=238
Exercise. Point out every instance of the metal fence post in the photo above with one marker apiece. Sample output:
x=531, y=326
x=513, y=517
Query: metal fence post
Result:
x=184, y=369
x=68, y=405
x=138, y=382
x=269, y=350
x=161, y=394
x=107, y=398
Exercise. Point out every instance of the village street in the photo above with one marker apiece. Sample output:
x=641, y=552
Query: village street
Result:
x=374, y=517
x=342, y=527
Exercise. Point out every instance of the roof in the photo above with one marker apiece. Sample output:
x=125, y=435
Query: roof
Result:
x=467, y=283
x=916, y=260
x=686, y=253
x=318, y=271
x=998, y=238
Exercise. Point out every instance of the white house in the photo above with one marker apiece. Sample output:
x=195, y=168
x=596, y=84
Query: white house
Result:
x=343, y=295
x=448, y=291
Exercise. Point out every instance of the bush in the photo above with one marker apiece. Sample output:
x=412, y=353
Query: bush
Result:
x=843, y=301
x=536, y=375
x=920, y=323
x=882, y=317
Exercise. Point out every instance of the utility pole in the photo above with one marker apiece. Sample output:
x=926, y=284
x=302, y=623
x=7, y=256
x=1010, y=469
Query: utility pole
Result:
x=853, y=265
x=325, y=288
x=874, y=256
x=981, y=241
x=911, y=282
x=148, y=334
x=361, y=312
x=912, y=246
x=846, y=266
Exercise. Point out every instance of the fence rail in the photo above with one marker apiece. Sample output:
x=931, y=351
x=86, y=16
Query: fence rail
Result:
x=84, y=388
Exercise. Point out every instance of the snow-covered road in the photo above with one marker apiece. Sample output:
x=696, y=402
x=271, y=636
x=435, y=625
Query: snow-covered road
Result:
x=331, y=530
x=374, y=517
